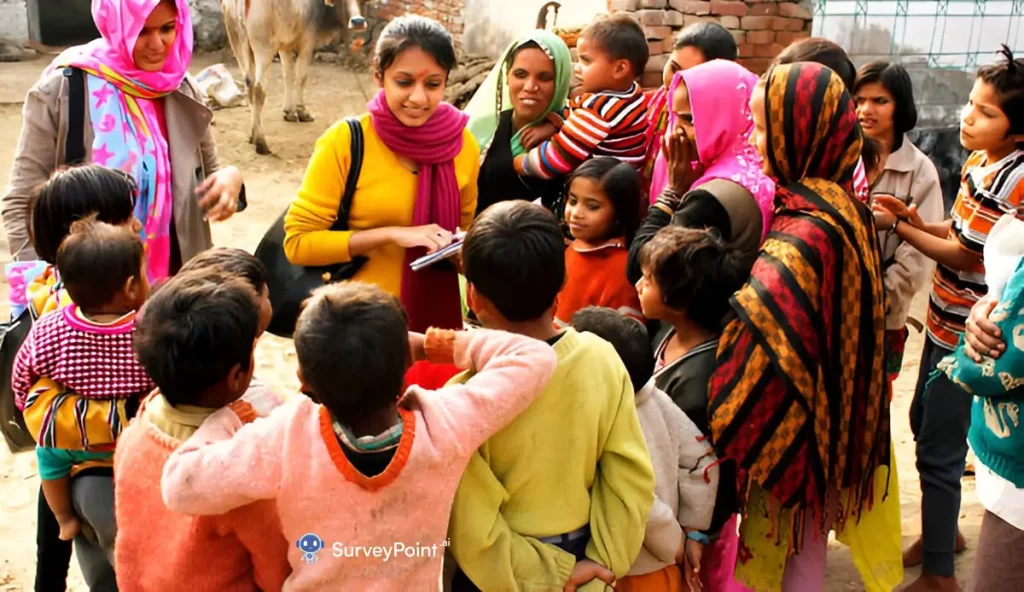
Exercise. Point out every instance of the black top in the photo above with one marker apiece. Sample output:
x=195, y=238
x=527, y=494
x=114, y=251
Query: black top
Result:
x=498, y=180
x=698, y=209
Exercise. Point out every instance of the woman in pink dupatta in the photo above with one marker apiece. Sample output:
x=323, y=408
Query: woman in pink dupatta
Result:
x=724, y=187
x=141, y=116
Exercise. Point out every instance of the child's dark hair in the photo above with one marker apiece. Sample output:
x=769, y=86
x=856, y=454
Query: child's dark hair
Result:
x=514, y=255
x=73, y=193
x=232, y=262
x=194, y=331
x=696, y=272
x=414, y=31
x=896, y=81
x=712, y=39
x=1007, y=77
x=824, y=52
x=621, y=184
x=97, y=259
x=627, y=336
x=352, y=341
x=621, y=37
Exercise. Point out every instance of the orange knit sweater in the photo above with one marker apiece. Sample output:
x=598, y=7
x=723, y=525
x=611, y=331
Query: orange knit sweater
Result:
x=597, y=277
x=160, y=550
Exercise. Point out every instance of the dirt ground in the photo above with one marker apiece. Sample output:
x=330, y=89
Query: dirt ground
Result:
x=271, y=182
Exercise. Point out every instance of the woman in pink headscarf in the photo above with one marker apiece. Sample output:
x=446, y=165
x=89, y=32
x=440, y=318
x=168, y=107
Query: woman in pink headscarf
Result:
x=707, y=173
x=122, y=101
x=140, y=115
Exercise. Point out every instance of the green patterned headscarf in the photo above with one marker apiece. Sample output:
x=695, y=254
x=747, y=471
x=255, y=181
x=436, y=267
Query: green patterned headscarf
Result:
x=492, y=97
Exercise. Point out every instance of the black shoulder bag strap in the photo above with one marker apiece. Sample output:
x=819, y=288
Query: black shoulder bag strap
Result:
x=74, y=143
x=345, y=206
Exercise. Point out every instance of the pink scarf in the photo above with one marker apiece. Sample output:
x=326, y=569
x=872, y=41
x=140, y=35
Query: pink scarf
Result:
x=430, y=296
x=128, y=129
x=720, y=93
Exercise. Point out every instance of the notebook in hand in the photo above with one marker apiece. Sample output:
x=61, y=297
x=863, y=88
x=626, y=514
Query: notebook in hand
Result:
x=440, y=254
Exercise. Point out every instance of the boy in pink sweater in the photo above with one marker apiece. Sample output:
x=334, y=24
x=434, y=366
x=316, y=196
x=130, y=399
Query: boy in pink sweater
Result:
x=196, y=339
x=365, y=475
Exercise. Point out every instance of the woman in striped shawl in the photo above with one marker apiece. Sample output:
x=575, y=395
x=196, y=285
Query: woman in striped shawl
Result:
x=799, y=396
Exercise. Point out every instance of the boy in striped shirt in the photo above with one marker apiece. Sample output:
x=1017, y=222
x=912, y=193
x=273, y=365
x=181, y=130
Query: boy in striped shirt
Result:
x=992, y=185
x=610, y=117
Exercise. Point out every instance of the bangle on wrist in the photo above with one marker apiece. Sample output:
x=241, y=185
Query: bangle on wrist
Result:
x=700, y=537
x=894, y=225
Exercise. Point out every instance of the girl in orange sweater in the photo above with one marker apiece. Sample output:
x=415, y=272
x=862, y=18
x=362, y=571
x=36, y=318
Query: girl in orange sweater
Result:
x=601, y=212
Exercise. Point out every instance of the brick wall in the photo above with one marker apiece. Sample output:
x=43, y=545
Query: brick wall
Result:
x=446, y=12
x=762, y=28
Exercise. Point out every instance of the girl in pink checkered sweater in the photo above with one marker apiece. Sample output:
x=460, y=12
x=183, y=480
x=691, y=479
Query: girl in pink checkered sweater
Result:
x=86, y=348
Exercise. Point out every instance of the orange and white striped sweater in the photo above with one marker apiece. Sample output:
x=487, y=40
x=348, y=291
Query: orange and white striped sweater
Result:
x=597, y=124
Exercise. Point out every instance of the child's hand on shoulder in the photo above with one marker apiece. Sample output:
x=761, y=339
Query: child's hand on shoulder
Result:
x=585, y=571
x=535, y=135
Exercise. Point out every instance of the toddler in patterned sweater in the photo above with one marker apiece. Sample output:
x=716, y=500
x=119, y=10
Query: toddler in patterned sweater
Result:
x=87, y=348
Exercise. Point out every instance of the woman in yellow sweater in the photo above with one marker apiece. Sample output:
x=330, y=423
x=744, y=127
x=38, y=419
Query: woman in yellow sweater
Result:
x=417, y=184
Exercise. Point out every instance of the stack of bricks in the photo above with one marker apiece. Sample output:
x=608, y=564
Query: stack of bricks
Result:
x=762, y=28
x=446, y=12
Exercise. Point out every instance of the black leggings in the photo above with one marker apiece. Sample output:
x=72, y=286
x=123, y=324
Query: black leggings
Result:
x=53, y=556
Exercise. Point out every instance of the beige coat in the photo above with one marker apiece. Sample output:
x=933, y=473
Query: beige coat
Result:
x=910, y=176
x=686, y=478
x=193, y=156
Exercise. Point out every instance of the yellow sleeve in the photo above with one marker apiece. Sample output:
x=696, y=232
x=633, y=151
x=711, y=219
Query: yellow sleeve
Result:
x=308, y=240
x=492, y=555
x=623, y=490
x=471, y=154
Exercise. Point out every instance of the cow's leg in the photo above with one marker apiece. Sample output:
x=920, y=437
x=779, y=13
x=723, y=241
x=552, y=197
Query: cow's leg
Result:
x=288, y=67
x=301, y=74
x=264, y=57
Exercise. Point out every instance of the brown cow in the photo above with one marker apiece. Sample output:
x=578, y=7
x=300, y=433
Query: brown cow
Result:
x=260, y=29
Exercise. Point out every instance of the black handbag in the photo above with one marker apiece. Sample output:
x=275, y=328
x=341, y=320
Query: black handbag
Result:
x=289, y=285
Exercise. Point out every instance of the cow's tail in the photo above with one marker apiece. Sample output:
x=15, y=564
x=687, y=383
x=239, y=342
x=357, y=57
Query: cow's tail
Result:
x=236, y=13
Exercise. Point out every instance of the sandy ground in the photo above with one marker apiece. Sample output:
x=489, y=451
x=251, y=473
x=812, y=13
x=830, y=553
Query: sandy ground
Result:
x=271, y=181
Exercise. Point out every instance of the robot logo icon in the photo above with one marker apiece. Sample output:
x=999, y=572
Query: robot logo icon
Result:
x=310, y=544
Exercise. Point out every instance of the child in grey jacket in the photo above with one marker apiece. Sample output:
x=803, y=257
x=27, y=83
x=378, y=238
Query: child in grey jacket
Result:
x=684, y=463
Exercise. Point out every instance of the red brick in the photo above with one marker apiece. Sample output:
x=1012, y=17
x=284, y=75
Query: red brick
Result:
x=652, y=3
x=746, y=50
x=656, y=63
x=771, y=9
x=739, y=36
x=668, y=45
x=691, y=6
x=730, y=22
x=690, y=19
x=781, y=23
x=657, y=32
x=760, y=37
x=622, y=5
x=788, y=37
x=651, y=18
x=729, y=7
x=674, y=18
x=655, y=46
x=756, y=65
x=768, y=51
x=758, y=23
x=793, y=10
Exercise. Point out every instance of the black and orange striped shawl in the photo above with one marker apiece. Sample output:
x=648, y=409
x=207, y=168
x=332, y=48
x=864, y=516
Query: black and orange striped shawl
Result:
x=799, y=396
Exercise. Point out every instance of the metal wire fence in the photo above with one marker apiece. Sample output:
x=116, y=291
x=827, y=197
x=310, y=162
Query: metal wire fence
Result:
x=942, y=42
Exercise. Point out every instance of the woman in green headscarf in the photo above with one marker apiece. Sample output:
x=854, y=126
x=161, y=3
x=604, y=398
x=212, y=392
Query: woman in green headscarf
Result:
x=529, y=83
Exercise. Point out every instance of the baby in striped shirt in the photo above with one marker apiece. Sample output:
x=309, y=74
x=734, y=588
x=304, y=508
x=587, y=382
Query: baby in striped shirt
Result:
x=87, y=349
x=610, y=117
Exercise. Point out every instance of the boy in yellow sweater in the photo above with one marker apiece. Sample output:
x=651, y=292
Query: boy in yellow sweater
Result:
x=569, y=482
